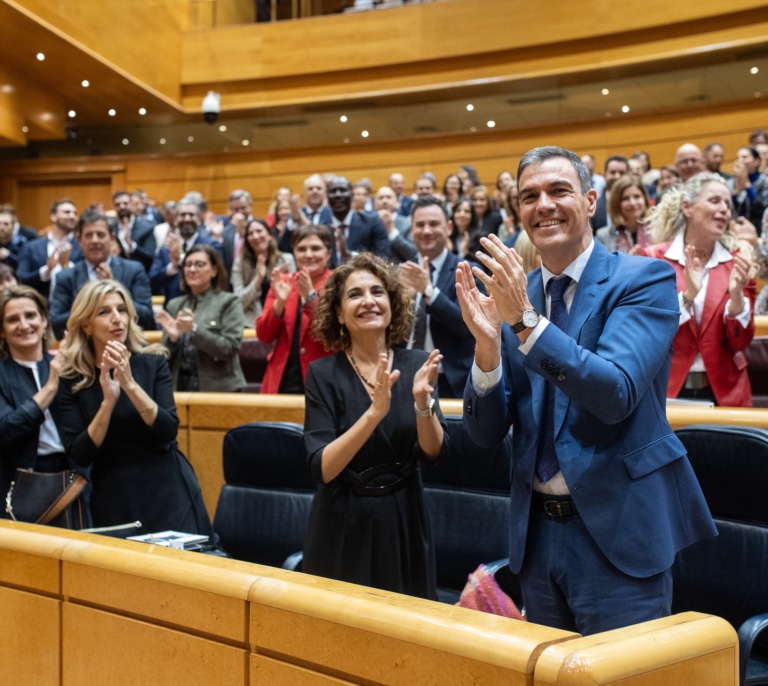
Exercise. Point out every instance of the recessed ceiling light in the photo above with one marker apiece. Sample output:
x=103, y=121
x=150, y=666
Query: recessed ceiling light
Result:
x=473, y=129
x=71, y=114
x=142, y=111
x=364, y=134
x=223, y=128
x=605, y=91
x=758, y=94
x=125, y=141
x=470, y=107
x=85, y=83
x=25, y=129
x=625, y=109
x=162, y=141
x=112, y=113
x=246, y=143
x=346, y=140
x=343, y=118
x=608, y=114
x=490, y=124
x=40, y=57
x=191, y=139
x=754, y=70
x=7, y=88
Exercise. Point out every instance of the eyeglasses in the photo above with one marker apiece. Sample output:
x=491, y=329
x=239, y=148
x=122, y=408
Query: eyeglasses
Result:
x=196, y=265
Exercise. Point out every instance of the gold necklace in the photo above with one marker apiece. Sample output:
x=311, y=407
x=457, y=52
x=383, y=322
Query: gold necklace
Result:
x=360, y=374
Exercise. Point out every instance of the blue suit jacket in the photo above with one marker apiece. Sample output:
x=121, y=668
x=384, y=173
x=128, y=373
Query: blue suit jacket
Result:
x=366, y=232
x=34, y=255
x=129, y=273
x=449, y=332
x=626, y=470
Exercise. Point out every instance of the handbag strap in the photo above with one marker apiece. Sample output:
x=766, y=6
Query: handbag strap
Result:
x=68, y=495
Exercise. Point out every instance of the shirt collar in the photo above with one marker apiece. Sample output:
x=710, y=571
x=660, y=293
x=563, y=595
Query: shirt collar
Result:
x=575, y=269
x=676, y=252
x=437, y=263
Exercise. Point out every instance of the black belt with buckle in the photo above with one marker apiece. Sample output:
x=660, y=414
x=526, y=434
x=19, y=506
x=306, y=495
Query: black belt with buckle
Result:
x=555, y=506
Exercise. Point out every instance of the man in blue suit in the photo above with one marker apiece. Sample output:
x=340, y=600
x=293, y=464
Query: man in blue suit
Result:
x=95, y=237
x=353, y=231
x=432, y=276
x=577, y=357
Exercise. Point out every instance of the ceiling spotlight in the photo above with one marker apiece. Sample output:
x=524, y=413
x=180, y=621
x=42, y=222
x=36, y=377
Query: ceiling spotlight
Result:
x=25, y=129
x=470, y=107
x=473, y=129
x=112, y=113
x=85, y=83
x=6, y=88
x=343, y=118
x=71, y=114
x=490, y=124
x=40, y=57
x=246, y=143
x=754, y=70
x=346, y=140
x=190, y=139
x=125, y=141
x=605, y=91
x=223, y=128
x=142, y=111
x=364, y=134
x=162, y=141
x=625, y=109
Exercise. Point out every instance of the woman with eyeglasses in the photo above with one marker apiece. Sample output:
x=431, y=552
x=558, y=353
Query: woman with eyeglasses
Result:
x=203, y=329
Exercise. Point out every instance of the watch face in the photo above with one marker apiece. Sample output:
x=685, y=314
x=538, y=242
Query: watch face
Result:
x=530, y=318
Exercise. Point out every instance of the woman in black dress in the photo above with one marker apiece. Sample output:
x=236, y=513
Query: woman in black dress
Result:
x=118, y=414
x=371, y=417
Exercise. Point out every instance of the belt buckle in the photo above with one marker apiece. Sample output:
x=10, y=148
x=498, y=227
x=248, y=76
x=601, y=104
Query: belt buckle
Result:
x=553, y=508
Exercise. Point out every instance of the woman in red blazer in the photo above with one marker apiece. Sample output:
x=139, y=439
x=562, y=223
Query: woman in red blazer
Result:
x=715, y=291
x=288, y=312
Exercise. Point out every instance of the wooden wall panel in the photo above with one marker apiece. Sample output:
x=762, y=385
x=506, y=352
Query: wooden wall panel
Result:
x=100, y=647
x=34, y=198
x=29, y=651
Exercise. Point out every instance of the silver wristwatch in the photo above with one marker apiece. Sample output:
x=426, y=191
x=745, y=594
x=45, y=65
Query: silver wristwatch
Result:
x=428, y=412
x=529, y=320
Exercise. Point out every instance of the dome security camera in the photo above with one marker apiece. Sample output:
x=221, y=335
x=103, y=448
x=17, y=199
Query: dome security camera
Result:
x=211, y=107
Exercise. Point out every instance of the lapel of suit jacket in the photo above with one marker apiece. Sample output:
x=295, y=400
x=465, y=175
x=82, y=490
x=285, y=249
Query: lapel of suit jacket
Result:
x=116, y=265
x=716, y=296
x=447, y=276
x=537, y=381
x=81, y=275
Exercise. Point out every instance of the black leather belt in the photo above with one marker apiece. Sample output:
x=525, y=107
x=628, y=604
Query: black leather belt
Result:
x=555, y=506
x=695, y=381
x=380, y=480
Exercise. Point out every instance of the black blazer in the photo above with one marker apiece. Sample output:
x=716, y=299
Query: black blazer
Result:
x=130, y=274
x=20, y=418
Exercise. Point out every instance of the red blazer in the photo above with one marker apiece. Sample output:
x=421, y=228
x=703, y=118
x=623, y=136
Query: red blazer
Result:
x=719, y=340
x=280, y=330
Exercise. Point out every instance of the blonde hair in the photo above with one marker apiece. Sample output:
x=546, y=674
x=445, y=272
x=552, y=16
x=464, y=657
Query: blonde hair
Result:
x=527, y=251
x=79, y=355
x=667, y=218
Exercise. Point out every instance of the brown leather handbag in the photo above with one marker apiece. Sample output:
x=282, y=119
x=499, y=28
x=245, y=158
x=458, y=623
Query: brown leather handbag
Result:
x=51, y=498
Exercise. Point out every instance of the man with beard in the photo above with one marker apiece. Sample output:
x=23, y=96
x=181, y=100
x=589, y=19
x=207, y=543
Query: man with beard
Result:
x=353, y=231
x=95, y=239
x=41, y=260
x=134, y=233
x=165, y=273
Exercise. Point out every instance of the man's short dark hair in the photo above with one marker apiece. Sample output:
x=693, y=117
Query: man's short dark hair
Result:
x=63, y=201
x=117, y=194
x=91, y=217
x=429, y=201
x=548, y=152
x=709, y=146
x=616, y=158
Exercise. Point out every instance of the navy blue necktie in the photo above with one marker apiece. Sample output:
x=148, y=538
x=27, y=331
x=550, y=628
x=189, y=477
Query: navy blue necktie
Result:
x=546, y=459
x=420, y=323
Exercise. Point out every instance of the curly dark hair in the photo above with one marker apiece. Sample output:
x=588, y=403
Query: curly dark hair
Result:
x=326, y=327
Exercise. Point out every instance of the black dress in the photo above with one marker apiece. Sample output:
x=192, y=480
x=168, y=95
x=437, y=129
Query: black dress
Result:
x=383, y=541
x=138, y=472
